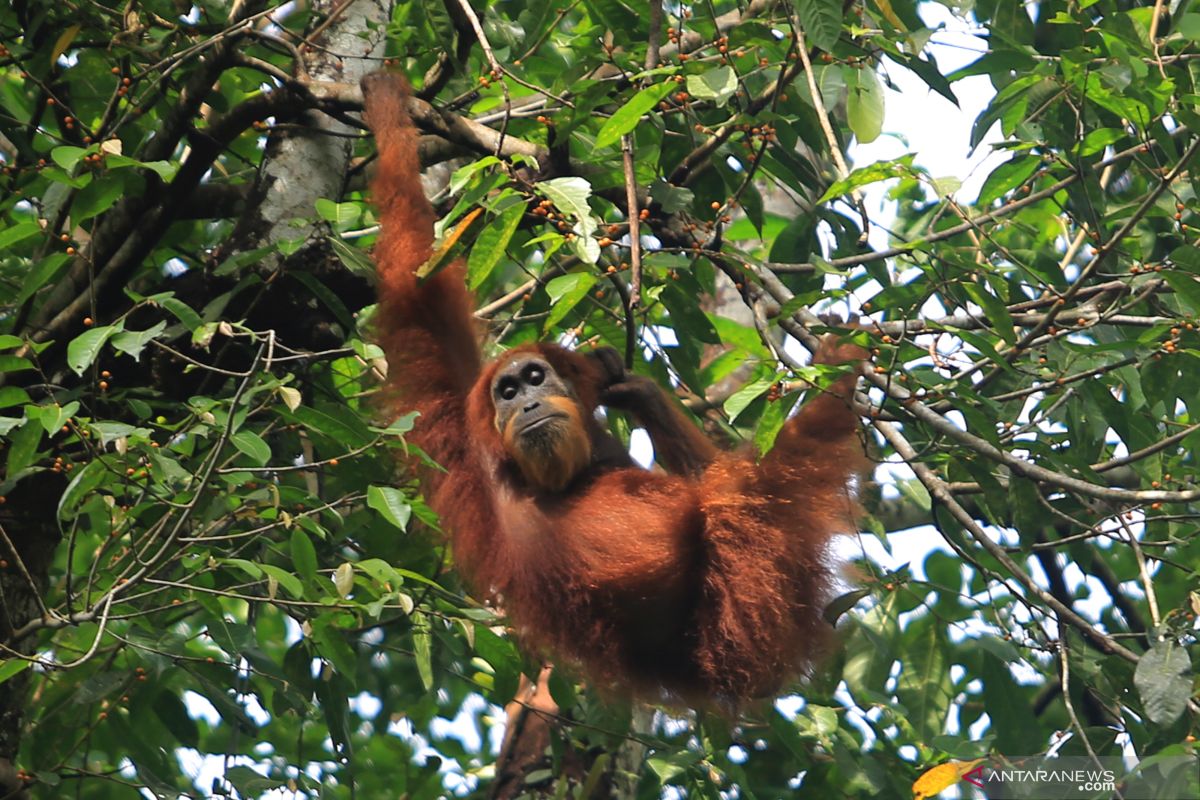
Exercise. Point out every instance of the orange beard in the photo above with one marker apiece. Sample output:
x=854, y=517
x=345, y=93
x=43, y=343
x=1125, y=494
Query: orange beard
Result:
x=552, y=457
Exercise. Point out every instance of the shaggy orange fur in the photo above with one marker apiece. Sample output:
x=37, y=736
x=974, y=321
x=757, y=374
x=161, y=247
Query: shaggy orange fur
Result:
x=694, y=587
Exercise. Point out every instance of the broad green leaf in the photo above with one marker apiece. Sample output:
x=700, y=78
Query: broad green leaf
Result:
x=1187, y=289
x=11, y=364
x=423, y=648
x=10, y=667
x=571, y=196
x=16, y=233
x=97, y=197
x=873, y=173
x=54, y=416
x=164, y=169
x=463, y=175
x=864, y=104
x=13, y=396
x=304, y=555
x=565, y=292
x=22, y=448
x=492, y=242
x=339, y=424
x=391, y=503
x=342, y=215
x=821, y=20
x=253, y=446
x=183, y=312
x=109, y=431
x=1164, y=681
x=83, y=349
x=67, y=156
x=995, y=309
x=672, y=198
x=133, y=342
x=1007, y=177
x=718, y=85
x=287, y=580
x=629, y=115
x=743, y=397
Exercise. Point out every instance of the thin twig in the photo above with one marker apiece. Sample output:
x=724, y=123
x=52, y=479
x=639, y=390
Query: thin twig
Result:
x=33, y=587
x=497, y=69
x=939, y=492
x=654, y=36
x=835, y=149
x=632, y=213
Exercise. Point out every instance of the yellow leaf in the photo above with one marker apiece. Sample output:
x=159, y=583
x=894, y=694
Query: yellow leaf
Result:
x=343, y=579
x=943, y=776
x=890, y=14
x=64, y=41
x=443, y=248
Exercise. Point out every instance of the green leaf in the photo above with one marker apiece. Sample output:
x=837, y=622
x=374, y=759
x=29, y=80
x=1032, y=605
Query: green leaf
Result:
x=997, y=312
x=52, y=417
x=67, y=156
x=1007, y=177
x=821, y=20
x=843, y=603
x=743, y=397
x=290, y=583
x=463, y=175
x=571, y=196
x=253, y=446
x=15, y=233
x=22, y=448
x=672, y=198
x=492, y=243
x=1095, y=141
x=391, y=503
x=133, y=342
x=629, y=115
x=342, y=215
x=565, y=292
x=174, y=715
x=1014, y=724
x=42, y=274
x=109, y=431
x=14, y=364
x=1187, y=289
x=687, y=318
x=10, y=667
x=423, y=647
x=13, y=396
x=864, y=104
x=339, y=424
x=304, y=555
x=97, y=197
x=1164, y=681
x=717, y=85
x=164, y=169
x=183, y=312
x=873, y=173
x=84, y=348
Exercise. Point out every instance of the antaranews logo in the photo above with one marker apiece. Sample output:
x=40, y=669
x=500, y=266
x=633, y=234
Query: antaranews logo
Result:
x=1065, y=778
